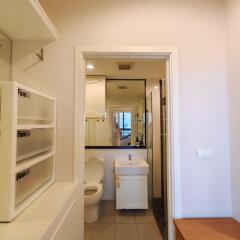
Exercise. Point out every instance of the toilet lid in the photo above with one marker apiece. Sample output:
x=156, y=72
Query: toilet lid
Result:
x=93, y=170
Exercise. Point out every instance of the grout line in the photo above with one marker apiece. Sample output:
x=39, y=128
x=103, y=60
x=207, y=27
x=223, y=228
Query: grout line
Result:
x=138, y=234
x=115, y=225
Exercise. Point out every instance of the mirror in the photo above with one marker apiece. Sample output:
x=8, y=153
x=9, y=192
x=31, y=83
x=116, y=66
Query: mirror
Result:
x=115, y=112
x=5, y=58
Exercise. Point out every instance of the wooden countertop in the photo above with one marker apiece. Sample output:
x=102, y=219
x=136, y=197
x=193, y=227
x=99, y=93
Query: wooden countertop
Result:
x=207, y=229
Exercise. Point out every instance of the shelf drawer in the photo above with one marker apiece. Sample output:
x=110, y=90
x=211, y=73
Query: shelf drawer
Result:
x=34, y=141
x=33, y=108
x=31, y=179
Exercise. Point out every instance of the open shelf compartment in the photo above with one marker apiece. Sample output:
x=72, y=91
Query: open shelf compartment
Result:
x=34, y=108
x=34, y=141
x=31, y=179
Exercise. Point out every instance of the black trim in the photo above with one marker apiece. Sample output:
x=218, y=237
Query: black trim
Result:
x=126, y=147
x=114, y=147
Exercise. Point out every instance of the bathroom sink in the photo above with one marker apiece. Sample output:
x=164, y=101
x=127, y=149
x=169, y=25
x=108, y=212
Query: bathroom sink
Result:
x=131, y=167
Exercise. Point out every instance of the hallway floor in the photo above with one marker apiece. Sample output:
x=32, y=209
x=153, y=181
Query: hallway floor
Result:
x=122, y=225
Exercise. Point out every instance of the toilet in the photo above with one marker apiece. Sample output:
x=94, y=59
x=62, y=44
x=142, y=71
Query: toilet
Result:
x=93, y=188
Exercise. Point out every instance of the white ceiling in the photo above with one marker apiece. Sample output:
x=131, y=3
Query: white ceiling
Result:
x=142, y=69
x=135, y=90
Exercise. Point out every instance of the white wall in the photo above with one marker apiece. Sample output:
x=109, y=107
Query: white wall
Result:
x=233, y=50
x=196, y=28
x=110, y=155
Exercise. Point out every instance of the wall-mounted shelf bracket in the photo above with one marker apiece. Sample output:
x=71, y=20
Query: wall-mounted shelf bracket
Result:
x=40, y=54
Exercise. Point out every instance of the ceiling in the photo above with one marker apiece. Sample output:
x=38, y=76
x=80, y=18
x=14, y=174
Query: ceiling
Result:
x=141, y=68
x=133, y=90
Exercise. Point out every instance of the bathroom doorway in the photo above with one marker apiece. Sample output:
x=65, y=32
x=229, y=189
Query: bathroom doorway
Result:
x=160, y=193
x=129, y=53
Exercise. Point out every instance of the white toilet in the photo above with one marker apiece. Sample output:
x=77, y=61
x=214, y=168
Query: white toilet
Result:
x=93, y=188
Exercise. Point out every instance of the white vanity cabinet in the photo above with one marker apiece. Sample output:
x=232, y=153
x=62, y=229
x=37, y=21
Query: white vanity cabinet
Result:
x=131, y=183
x=131, y=192
x=95, y=101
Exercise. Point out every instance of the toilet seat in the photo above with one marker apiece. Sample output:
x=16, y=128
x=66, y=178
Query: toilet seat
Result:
x=93, y=170
x=95, y=186
x=93, y=177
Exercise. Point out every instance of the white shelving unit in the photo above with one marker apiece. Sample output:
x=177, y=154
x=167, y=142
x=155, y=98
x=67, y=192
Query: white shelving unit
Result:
x=16, y=15
x=27, y=146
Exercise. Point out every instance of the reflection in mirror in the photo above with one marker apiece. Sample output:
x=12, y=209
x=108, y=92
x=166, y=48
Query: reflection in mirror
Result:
x=123, y=122
x=5, y=58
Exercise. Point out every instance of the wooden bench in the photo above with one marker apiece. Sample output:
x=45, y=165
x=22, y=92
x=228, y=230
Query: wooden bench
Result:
x=207, y=229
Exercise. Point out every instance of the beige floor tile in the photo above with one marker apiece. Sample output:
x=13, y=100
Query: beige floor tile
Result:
x=88, y=231
x=126, y=232
x=125, y=219
x=143, y=212
x=148, y=232
x=126, y=212
x=107, y=208
x=107, y=212
x=104, y=232
x=106, y=219
x=145, y=219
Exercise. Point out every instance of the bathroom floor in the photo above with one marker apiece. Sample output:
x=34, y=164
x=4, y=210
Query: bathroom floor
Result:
x=122, y=225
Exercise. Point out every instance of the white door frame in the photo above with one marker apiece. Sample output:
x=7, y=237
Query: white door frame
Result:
x=173, y=141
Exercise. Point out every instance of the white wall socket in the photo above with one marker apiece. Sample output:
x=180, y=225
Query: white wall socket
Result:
x=204, y=154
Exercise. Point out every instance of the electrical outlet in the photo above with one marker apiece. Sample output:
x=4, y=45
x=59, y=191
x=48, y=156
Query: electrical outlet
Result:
x=204, y=154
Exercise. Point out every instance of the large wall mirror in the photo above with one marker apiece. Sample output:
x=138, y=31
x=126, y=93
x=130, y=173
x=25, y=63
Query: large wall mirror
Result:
x=5, y=58
x=115, y=113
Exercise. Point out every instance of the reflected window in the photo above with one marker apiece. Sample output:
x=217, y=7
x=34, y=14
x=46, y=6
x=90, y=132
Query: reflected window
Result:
x=123, y=119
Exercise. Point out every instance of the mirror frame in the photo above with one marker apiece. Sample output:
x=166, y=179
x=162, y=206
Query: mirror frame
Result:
x=126, y=147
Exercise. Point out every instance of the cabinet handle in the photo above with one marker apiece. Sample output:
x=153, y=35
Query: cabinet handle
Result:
x=117, y=182
x=23, y=93
x=22, y=174
x=23, y=133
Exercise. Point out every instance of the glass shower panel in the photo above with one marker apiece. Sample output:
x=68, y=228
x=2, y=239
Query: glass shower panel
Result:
x=149, y=139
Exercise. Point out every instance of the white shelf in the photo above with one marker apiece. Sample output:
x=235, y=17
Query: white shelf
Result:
x=26, y=20
x=34, y=126
x=31, y=126
x=29, y=162
x=34, y=118
x=34, y=153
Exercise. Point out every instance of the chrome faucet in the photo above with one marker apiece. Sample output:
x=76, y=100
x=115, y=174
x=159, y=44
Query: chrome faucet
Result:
x=129, y=157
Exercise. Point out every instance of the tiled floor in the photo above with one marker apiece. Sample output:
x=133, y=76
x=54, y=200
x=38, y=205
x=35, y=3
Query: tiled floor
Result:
x=122, y=225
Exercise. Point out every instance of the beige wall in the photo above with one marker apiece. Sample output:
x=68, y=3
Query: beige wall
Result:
x=233, y=50
x=5, y=58
x=196, y=28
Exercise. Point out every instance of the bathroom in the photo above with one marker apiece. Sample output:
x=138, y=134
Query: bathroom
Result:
x=122, y=122
x=50, y=51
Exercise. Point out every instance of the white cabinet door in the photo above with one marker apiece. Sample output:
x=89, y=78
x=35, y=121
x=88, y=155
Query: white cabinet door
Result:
x=95, y=96
x=68, y=229
x=131, y=192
